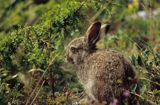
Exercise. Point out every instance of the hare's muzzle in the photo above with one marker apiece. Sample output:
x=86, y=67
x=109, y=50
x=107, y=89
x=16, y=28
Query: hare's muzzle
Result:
x=70, y=60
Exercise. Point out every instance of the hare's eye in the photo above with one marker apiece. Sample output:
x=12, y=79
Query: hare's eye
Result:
x=74, y=50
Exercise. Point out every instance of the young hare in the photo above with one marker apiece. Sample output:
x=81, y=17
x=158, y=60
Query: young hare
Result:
x=105, y=74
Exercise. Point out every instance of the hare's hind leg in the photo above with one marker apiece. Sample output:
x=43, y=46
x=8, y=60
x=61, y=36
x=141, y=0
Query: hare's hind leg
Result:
x=100, y=90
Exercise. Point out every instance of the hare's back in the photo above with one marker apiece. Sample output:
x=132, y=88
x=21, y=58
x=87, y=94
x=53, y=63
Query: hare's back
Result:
x=108, y=59
x=107, y=64
x=107, y=69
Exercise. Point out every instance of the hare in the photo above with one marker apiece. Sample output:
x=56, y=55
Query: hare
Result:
x=105, y=74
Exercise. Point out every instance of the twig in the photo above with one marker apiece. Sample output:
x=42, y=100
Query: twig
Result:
x=49, y=66
x=35, y=87
x=97, y=14
x=151, y=102
x=150, y=81
x=102, y=9
x=37, y=93
x=52, y=81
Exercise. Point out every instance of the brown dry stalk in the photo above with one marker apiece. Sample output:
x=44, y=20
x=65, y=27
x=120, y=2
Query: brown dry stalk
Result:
x=37, y=93
x=38, y=83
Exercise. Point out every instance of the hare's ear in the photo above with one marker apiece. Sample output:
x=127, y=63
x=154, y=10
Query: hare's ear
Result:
x=93, y=34
x=105, y=28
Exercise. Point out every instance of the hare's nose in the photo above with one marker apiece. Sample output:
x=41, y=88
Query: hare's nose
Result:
x=69, y=59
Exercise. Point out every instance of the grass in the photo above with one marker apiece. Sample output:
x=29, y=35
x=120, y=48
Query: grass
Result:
x=32, y=57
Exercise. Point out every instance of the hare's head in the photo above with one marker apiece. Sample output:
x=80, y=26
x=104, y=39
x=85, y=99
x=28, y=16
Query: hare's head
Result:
x=81, y=47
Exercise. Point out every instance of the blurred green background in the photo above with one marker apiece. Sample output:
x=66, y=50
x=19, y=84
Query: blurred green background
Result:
x=34, y=35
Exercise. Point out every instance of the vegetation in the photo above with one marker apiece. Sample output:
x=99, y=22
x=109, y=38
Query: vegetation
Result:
x=34, y=34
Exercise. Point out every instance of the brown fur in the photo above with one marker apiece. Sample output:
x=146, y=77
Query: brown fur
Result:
x=105, y=74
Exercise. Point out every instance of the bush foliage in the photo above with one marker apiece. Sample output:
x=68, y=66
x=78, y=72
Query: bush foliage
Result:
x=35, y=33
